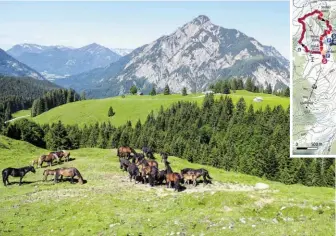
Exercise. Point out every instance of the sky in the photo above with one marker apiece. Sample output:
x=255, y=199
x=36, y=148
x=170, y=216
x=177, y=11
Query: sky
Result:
x=133, y=24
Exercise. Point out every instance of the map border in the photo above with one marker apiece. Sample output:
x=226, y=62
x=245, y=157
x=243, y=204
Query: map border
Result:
x=291, y=155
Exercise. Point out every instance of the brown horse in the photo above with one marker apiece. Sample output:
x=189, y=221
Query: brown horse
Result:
x=192, y=174
x=125, y=151
x=145, y=162
x=48, y=172
x=66, y=155
x=150, y=173
x=68, y=172
x=172, y=177
x=47, y=158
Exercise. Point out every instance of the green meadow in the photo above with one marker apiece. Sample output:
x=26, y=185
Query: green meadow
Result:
x=134, y=107
x=108, y=204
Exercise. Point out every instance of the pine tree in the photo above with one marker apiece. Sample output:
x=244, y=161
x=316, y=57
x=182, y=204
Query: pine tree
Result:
x=166, y=90
x=133, y=90
x=287, y=92
x=111, y=112
x=226, y=89
x=153, y=91
x=184, y=91
x=269, y=89
x=249, y=84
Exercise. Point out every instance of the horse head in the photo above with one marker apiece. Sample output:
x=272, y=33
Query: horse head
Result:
x=32, y=169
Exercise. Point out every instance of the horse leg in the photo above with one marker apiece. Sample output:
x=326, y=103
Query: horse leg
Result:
x=20, y=180
x=5, y=179
x=72, y=179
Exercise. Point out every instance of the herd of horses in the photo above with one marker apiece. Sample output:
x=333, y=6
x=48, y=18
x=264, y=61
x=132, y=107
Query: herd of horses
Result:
x=147, y=170
x=49, y=158
x=140, y=166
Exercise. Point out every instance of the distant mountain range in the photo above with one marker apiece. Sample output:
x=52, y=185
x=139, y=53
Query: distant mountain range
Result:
x=193, y=56
x=58, y=61
x=9, y=66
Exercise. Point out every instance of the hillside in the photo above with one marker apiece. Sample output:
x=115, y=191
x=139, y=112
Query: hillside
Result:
x=137, y=107
x=193, y=56
x=229, y=206
x=9, y=66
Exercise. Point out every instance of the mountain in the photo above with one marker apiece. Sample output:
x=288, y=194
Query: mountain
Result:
x=59, y=61
x=122, y=51
x=193, y=56
x=9, y=66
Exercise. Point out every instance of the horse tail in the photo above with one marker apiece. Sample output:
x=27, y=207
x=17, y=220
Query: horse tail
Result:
x=118, y=153
x=4, y=177
x=81, y=181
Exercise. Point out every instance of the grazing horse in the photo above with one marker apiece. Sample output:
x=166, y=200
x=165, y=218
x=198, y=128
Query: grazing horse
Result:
x=125, y=151
x=172, y=177
x=145, y=162
x=16, y=172
x=148, y=152
x=68, y=172
x=124, y=163
x=48, y=172
x=133, y=171
x=192, y=174
x=47, y=158
x=66, y=155
x=164, y=156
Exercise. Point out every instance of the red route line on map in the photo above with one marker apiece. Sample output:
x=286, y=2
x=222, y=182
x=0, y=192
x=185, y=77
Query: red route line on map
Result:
x=325, y=33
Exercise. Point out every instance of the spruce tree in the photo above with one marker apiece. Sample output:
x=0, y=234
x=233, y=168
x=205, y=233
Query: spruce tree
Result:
x=153, y=91
x=133, y=90
x=111, y=112
x=166, y=90
x=184, y=91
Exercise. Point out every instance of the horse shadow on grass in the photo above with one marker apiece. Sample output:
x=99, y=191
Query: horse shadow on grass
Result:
x=74, y=180
x=23, y=182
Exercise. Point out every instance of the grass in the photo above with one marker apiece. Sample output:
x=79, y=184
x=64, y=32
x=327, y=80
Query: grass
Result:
x=21, y=113
x=108, y=204
x=134, y=107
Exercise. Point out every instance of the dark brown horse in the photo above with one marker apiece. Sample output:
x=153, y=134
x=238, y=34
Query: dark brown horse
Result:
x=172, y=177
x=68, y=172
x=48, y=172
x=47, y=158
x=125, y=151
x=150, y=173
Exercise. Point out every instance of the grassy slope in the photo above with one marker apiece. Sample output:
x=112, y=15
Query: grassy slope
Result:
x=134, y=107
x=21, y=113
x=109, y=204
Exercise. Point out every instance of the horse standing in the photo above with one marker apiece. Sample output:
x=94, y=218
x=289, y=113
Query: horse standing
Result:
x=16, y=172
x=133, y=171
x=145, y=162
x=192, y=174
x=172, y=177
x=125, y=151
x=48, y=158
x=68, y=172
x=48, y=172
x=124, y=163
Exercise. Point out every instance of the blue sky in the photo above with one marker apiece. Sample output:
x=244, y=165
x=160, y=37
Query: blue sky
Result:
x=132, y=24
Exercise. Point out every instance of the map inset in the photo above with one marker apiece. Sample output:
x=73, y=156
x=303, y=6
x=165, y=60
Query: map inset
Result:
x=313, y=84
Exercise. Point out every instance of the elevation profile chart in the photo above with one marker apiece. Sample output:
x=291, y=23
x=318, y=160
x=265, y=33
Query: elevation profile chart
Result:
x=313, y=81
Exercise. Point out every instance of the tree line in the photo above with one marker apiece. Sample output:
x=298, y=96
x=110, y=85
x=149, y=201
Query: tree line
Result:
x=225, y=86
x=230, y=136
x=53, y=99
x=18, y=93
